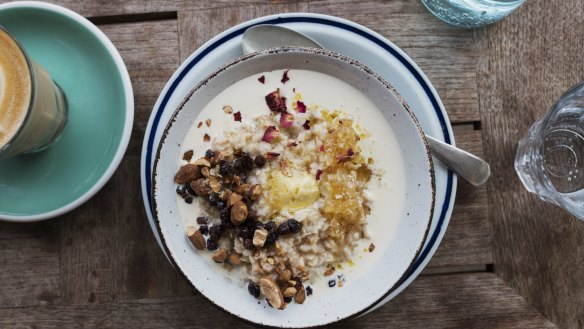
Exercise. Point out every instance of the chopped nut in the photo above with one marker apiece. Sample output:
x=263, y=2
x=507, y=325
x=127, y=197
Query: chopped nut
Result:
x=270, y=289
x=228, y=109
x=234, y=258
x=215, y=184
x=255, y=192
x=330, y=270
x=243, y=188
x=220, y=156
x=340, y=284
x=220, y=255
x=238, y=212
x=205, y=172
x=199, y=125
x=292, y=283
x=196, y=238
x=225, y=195
x=188, y=155
x=200, y=187
x=206, y=138
x=271, y=261
x=286, y=275
x=289, y=292
x=371, y=247
x=259, y=237
x=208, y=122
x=187, y=173
x=300, y=296
x=202, y=162
x=233, y=199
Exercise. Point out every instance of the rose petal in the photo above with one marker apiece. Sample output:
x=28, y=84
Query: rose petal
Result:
x=306, y=125
x=318, y=173
x=292, y=143
x=285, y=77
x=286, y=119
x=276, y=102
x=300, y=107
x=350, y=152
x=270, y=134
x=271, y=155
x=237, y=116
x=322, y=148
x=262, y=79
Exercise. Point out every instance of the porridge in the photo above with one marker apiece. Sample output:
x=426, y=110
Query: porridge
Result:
x=282, y=197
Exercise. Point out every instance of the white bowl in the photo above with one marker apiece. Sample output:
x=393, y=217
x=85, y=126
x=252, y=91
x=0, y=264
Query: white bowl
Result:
x=359, y=294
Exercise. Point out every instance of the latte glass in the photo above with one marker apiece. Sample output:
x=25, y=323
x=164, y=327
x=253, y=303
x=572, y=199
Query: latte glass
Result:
x=471, y=13
x=42, y=113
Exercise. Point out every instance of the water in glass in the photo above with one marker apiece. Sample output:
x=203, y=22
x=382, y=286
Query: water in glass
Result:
x=550, y=159
x=471, y=13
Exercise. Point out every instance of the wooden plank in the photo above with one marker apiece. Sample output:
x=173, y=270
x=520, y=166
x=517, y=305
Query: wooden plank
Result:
x=29, y=263
x=526, y=62
x=446, y=54
x=467, y=240
x=198, y=26
x=109, y=252
x=150, y=52
x=437, y=301
x=94, y=8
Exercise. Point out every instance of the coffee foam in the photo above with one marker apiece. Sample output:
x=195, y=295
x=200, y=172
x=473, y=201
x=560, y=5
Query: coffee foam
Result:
x=15, y=88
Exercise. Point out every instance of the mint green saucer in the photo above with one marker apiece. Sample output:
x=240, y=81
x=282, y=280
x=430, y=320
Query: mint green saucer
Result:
x=86, y=65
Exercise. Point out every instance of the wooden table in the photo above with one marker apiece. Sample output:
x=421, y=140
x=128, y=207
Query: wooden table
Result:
x=507, y=260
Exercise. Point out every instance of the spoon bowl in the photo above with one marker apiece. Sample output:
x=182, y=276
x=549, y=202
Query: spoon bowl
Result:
x=466, y=165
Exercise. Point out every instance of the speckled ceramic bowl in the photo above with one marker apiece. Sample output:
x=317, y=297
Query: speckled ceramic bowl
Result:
x=361, y=293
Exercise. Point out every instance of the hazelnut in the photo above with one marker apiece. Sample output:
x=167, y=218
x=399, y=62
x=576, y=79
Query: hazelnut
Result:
x=196, y=238
x=220, y=255
x=300, y=296
x=238, y=213
x=259, y=237
x=272, y=292
x=286, y=275
x=187, y=173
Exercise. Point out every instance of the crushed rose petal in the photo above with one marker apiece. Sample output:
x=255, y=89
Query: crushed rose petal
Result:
x=285, y=77
x=318, y=173
x=292, y=143
x=300, y=107
x=306, y=125
x=270, y=134
x=276, y=102
x=237, y=116
x=350, y=152
x=286, y=119
x=206, y=138
x=262, y=79
x=322, y=148
x=271, y=155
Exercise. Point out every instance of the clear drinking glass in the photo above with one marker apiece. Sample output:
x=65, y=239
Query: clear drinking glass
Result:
x=550, y=159
x=33, y=108
x=471, y=13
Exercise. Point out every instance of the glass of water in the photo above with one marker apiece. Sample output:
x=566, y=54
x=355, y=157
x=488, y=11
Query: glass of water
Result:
x=471, y=13
x=550, y=159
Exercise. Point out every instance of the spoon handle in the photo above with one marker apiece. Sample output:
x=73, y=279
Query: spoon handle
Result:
x=470, y=167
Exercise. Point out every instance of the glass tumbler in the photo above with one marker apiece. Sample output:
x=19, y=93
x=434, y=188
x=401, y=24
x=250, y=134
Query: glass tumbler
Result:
x=550, y=159
x=471, y=13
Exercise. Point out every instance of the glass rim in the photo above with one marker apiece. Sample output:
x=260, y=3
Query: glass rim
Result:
x=31, y=99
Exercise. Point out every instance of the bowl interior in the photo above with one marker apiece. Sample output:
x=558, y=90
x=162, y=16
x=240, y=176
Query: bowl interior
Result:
x=393, y=261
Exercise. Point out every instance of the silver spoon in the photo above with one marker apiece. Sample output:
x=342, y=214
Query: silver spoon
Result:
x=468, y=166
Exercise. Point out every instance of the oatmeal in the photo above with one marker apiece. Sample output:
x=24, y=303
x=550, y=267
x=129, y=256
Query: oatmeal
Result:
x=285, y=196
